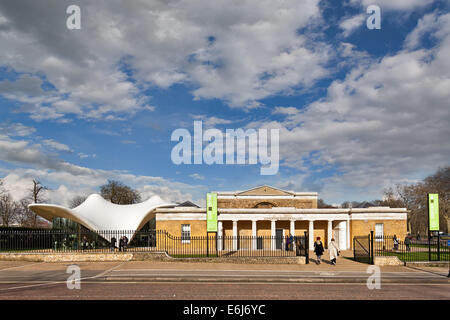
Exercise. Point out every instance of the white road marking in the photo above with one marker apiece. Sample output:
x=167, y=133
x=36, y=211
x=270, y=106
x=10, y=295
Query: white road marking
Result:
x=26, y=265
x=65, y=281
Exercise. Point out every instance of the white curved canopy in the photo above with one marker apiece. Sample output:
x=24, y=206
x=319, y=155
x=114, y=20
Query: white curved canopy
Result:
x=95, y=213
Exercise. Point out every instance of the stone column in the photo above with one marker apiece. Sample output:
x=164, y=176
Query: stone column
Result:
x=219, y=235
x=347, y=229
x=343, y=243
x=235, y=240
x=254, y=243
x=272, y=233
x=311, y=234
x=292, y=230
x=329, y=232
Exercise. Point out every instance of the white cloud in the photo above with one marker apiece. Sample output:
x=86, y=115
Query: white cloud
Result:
x=407, y=5
x=212, y=121
x=256, y=52
x=82, y=155
x=384, y=121
x=67, y=180
x=57, y=145
x=16, y=129
x=197, y=176
x=285, y=110
x=349, y=25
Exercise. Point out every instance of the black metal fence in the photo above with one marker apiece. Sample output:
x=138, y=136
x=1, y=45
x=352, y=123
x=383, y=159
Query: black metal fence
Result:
x=365, y=248
x=151, y=240
x=410, y=249
x=236, y=246
x=55, y=240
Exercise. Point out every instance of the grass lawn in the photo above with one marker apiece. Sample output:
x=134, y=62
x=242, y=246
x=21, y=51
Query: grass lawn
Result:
x=417, y=256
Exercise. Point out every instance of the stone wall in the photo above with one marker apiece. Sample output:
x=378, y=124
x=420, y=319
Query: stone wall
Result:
x=141, y=256
x=387, y=261
x=66, y=257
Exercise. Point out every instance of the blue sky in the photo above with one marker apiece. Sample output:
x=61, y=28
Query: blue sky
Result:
x=358, y=110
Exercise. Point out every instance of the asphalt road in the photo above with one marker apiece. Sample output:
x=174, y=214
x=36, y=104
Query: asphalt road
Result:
x=134, y=280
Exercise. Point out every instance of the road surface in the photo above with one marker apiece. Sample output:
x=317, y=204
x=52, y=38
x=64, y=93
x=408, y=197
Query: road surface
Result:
x=189, y=281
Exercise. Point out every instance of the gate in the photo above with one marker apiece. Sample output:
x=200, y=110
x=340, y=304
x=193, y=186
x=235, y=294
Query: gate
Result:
x=301, y=246
x=363, y=248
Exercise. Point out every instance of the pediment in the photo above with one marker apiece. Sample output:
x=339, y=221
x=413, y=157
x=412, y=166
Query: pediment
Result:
x=264, y=191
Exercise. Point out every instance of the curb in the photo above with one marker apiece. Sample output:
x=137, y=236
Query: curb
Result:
x=427, y=264
x=271, y=280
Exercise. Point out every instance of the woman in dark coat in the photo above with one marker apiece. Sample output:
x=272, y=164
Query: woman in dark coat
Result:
x=318, y=249
x=113, y=243
x=121, y=244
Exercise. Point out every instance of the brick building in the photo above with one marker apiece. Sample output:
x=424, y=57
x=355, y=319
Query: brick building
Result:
x=268, y=211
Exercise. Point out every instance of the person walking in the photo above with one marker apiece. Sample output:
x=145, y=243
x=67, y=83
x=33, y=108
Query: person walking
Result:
x=84, y=242
x=291, y=242
x=125, y=243
x=113, y=244
x=121, y=244
x=334, y=251
x=318, y=249
x=395, y=242
x=408, y=242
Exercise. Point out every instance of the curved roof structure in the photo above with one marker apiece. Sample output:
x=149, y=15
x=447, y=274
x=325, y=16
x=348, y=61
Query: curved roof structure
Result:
x=95, y=213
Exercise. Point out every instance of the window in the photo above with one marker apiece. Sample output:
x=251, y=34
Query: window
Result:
x=185, y=233
x=379, y=232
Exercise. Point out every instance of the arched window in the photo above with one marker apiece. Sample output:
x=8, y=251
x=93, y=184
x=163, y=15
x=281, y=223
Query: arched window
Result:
x=265, y=205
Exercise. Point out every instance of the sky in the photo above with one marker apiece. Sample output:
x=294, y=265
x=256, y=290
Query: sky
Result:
x=357, y=109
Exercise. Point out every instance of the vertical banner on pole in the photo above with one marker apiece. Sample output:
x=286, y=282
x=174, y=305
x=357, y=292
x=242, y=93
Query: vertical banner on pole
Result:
x=433, y=211
x=211, y=212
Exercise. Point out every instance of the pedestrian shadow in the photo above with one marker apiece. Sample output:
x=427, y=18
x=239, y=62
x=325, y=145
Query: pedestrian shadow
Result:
x=321, y=260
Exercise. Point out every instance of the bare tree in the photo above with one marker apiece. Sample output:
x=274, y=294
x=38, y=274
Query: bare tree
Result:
x=8, y=210
x=37, y=192
x=2, y=188
x=414, y=197
x=77, y=200
x=25, y=217
x=322, y=204
x=37, y=195
x=118, y=193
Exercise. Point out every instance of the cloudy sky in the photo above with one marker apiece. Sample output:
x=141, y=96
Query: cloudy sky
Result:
x=358, y=110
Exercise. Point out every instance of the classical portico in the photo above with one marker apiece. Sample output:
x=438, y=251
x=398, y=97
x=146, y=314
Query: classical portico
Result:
x=247, y=222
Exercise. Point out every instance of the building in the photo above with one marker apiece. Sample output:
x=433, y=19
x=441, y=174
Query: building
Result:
x=267, y=211
x=265, y=215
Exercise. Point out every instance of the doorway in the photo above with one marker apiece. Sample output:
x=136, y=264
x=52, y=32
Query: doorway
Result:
x=279, y=235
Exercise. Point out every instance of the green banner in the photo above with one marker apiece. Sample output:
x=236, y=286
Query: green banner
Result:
x=433, y=211
x=211, y=212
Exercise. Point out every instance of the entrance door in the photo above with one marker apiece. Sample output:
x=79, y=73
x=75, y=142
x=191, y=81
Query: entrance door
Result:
x=279, y=239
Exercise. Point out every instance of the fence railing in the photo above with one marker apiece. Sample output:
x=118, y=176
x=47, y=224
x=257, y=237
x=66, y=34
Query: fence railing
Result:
x=151, y=240
x=367, y=247
x=55, y=240
x=410, y=249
